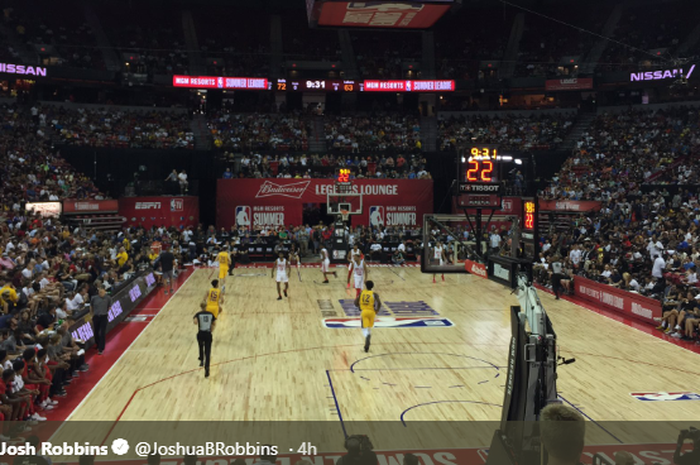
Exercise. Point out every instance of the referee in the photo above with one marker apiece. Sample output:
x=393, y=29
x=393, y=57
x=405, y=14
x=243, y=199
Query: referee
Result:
x=99, y=307
x=205, y=321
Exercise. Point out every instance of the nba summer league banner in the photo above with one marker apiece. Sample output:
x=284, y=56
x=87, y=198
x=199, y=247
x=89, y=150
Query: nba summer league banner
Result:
x=322, y=442
x=276, y=202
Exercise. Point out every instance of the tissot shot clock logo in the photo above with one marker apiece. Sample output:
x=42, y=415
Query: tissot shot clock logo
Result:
x=243, y=215
x=376, y=216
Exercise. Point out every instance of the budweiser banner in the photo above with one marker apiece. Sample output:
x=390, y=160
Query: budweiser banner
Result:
x=82, y=207
x=279, y=202
x=610, y=298
x=568, y=84
x=179, y=212
x=569, y=205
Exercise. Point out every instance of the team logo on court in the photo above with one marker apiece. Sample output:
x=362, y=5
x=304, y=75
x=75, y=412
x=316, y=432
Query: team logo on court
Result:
x=392, y=315
x=376, y=216
x=243, y=215
x=664, y=396
x=176, y=205
x=339, y=323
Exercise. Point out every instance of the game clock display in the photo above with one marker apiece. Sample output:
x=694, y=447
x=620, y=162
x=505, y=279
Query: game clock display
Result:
x=479, y=170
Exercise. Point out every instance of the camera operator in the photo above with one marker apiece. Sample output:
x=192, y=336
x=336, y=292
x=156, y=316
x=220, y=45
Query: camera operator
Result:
x=689, y=458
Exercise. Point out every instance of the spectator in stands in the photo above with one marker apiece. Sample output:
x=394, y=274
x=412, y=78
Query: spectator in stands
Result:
x=562, y=433
x=359, y=448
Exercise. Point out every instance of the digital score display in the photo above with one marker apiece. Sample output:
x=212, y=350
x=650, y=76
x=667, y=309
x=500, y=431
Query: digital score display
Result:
x=344, y=175
x=529, y=236
x=478, y=170
x=479, y=183
x=309, y=85
x=529, y=215
x=480, y=164
x=322, y=85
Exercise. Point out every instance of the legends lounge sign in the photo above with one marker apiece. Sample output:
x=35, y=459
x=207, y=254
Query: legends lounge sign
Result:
x=662, y=74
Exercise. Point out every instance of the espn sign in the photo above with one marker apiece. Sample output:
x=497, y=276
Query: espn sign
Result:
x=147, y=206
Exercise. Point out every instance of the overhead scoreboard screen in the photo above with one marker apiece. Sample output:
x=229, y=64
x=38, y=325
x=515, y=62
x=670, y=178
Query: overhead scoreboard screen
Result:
x=316, y=85
x=479, y=177
x=407, y=14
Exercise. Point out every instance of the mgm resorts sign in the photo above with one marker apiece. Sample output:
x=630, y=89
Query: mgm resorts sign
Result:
x=663, y=74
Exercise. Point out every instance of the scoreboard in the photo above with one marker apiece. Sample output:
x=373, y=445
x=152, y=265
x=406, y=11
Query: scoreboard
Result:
x=317, y=85
x=479, y=177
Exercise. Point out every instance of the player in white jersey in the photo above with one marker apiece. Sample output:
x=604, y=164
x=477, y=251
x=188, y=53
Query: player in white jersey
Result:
x=355, y=252
x=439, y=256
x=360, y=272
x=326, y=264
x=282, y=268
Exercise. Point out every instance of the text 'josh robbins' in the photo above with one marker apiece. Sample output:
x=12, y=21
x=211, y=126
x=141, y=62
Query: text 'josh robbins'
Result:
x=53, y=449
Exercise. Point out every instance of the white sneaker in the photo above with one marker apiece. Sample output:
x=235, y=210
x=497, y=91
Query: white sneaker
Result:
x=677, y=335
x=37, y=417
x=678, y=327
x=4, y=438
x=47, y=407
x=52, y=402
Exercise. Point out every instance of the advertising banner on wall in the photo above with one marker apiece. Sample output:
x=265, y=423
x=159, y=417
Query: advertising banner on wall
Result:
x=568, y=84
x=628, y=303
x=569, y=205
x=179, y=212
x=279, y=202
x=84, y=207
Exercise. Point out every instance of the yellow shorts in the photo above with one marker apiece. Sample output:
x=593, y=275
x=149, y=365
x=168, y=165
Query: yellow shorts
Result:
x=368, y=319
x=223, y=272
x=214, y=310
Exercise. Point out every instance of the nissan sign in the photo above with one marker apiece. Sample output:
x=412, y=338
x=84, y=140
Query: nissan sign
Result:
x=662, y=74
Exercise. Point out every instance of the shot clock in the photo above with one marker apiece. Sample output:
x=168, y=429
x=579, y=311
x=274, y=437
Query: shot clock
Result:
x=479, y=177
x=529, y=236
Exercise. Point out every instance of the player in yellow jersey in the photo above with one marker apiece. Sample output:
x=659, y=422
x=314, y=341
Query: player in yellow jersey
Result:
x=214, y=299
x=224, y=260
x=369, y=304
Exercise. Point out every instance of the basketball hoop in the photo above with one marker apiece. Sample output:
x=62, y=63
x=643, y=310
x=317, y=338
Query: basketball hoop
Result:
x=344, y=214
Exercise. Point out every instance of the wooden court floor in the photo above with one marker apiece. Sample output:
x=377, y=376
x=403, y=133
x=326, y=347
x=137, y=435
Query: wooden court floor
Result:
x=275, y=360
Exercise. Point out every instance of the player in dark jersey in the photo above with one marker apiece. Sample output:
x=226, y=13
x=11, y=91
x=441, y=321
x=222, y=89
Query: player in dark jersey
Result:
x=205, y=322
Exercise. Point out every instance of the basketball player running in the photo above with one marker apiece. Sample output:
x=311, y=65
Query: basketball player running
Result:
x=360, y=271
x=325, y=265
x=205, y=321
x=224, y=260
x=369, y=304
x=283, y=269
x=214, y=299
x=355, y=252
x=295, y=260
x=439, y=255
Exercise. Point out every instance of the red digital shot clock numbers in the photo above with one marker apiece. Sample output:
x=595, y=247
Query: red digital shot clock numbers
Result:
x=344, y=175
x=480, y=165
x=529, y=215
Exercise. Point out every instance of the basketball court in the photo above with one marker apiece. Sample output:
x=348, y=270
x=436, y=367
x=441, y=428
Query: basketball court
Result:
x=439, y=354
